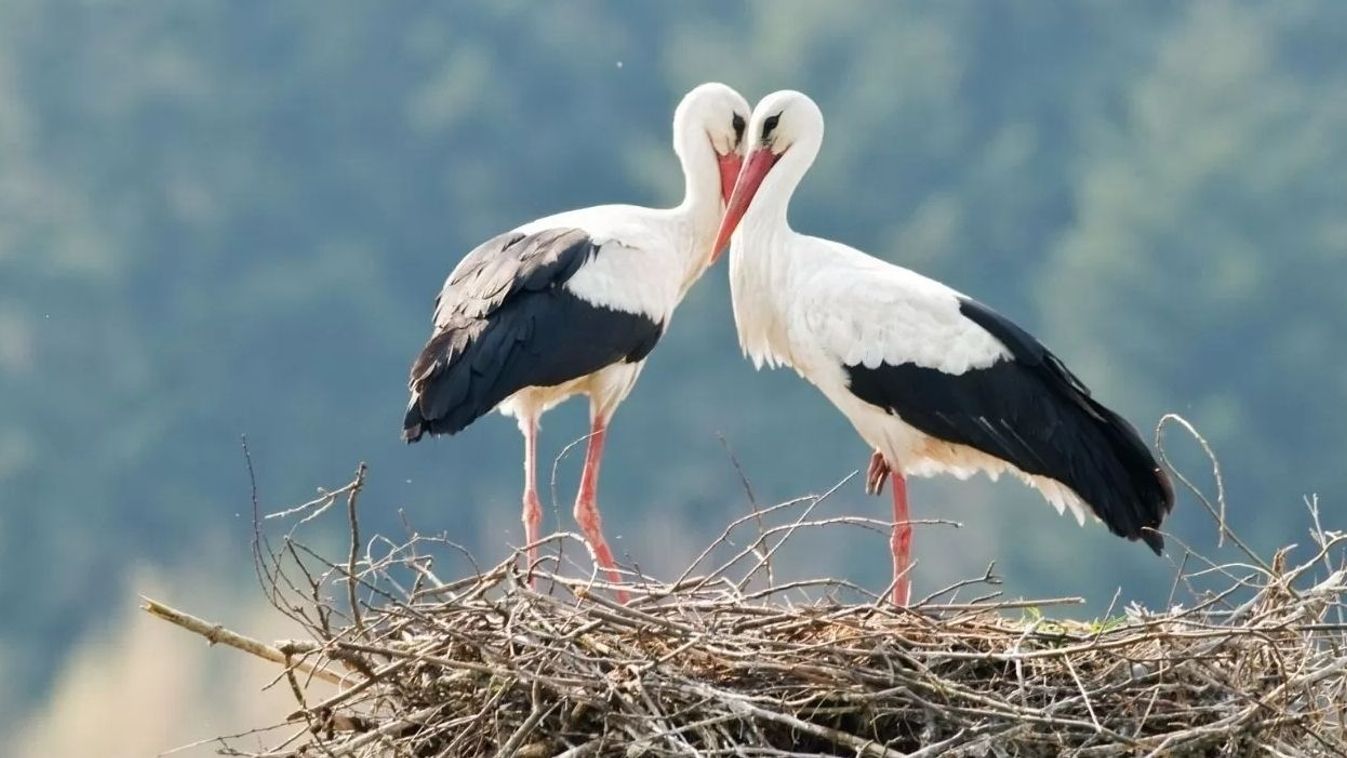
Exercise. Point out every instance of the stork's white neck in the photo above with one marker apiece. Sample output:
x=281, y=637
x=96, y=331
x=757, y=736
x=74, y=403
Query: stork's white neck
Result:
x=701, y=174
x=770, y=207
x=699, y=213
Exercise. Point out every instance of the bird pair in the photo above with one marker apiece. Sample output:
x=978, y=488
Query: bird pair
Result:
x=933, y=381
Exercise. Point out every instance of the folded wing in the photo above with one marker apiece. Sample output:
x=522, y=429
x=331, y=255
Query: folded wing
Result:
x=507, y=320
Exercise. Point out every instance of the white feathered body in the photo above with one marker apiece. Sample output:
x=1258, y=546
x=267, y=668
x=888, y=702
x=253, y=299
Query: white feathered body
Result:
x=817, y=305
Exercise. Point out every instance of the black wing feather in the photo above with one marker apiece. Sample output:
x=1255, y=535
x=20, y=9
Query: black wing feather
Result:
x=1032, y=412
x=504, y=322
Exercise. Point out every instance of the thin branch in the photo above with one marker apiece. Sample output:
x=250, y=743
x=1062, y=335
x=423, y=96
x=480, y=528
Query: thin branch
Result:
x=217, y=634
x=352, y=580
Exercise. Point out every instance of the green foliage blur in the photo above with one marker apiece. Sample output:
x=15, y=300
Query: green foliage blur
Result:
x=228, y=218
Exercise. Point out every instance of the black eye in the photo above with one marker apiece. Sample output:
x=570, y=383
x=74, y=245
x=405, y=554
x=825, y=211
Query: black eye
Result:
x=769, y=125
x=738, y=124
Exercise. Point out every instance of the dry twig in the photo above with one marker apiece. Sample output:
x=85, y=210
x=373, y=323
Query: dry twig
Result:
x=485, y=665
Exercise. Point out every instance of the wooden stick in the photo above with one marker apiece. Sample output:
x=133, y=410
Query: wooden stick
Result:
x=217, y=634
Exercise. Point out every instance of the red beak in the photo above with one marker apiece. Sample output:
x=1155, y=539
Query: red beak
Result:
x=729, y=171
x=755, y=169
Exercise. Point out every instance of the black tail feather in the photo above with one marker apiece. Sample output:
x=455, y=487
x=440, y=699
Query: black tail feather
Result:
x=1145, y=493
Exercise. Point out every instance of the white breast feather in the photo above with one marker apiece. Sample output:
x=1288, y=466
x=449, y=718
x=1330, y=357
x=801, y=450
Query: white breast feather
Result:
x=760, y=294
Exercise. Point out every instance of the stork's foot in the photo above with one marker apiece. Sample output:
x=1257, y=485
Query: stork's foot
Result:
x=877, y=473
x=606, y=562
x=902, y=592
x=604, y=557
x=587, y=516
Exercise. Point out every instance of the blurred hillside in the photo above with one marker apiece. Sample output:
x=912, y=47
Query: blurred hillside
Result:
x=227, y=218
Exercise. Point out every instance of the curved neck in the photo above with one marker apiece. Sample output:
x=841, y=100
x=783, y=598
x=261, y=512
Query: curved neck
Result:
x=698, y=216
x=701, y=175
x=772, y=201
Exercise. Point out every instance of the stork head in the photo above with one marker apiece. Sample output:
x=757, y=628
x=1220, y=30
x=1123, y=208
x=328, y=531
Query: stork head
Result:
x=716, y=114
x=784, y=121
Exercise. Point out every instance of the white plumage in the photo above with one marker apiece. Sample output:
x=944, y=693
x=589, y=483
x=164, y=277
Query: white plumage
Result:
x=572, y=304
x=933, y=381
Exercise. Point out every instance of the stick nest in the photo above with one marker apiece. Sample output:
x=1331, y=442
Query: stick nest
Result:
x=728, y=660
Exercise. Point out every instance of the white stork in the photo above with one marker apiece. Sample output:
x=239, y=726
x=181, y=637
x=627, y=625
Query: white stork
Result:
x=572, y=304
x=932, y=380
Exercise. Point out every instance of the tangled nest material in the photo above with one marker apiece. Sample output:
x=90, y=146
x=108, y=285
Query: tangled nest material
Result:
x=402, y=663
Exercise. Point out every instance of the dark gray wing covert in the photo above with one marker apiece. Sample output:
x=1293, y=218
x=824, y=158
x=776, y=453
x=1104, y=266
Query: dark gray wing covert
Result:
x=504, y=322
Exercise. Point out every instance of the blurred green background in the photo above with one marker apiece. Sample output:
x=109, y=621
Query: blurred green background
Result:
x=228, y=218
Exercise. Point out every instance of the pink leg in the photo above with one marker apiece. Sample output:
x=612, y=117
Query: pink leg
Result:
x=900, y=543
x=587, y=506
x=533, y=509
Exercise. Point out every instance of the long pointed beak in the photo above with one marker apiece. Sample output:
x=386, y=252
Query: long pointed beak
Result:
x=729, y=172
x=755, y=169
